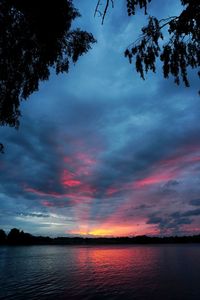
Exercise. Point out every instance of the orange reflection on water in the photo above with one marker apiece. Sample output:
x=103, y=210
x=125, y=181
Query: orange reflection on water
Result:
x=108, y=266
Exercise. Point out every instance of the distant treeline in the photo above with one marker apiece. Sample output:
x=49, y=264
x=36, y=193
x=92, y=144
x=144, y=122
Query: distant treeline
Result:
x=17, y=237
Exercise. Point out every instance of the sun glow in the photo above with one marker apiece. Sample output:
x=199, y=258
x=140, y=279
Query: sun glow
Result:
x=110, y=231
x=102, y=232
x=95, y=232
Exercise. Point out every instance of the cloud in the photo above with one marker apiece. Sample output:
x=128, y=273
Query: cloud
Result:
x=195, y=202
x=192, y=213
x=170, y=224
x=37, y=215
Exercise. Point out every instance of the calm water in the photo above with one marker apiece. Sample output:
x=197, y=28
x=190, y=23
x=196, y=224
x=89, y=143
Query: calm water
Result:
x=100, y=272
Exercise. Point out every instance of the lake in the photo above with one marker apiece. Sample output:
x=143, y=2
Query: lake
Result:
x=100, y=272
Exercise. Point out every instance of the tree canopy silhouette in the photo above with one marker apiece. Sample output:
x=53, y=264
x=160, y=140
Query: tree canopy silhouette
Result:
x=179, y=50
x=35, y=36
x=2, y=236
x=19, y=237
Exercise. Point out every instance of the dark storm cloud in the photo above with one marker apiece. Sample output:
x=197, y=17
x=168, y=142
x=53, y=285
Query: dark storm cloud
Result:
x=143, y=207
x=171, y=184
x=154, y=220
x=169, y=224
x=192, y=213
x=189, y=213
x=195, y=202
x=173, y=221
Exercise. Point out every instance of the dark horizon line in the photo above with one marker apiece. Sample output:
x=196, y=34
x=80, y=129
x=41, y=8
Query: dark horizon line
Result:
x=17, y=237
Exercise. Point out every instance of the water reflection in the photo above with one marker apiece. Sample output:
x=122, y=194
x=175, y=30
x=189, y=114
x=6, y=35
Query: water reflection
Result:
x=110, y=262
x=116, y=270
x=102, y=272
x=147, y=271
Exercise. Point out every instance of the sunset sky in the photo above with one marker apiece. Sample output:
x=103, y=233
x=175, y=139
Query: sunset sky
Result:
x=99, y=151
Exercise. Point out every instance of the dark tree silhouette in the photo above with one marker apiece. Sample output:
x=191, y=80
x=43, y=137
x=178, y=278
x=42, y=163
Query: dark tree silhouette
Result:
x=35, y=36
x=17, y=237
x=178, y=51
x=3, y=237
x=14, y=236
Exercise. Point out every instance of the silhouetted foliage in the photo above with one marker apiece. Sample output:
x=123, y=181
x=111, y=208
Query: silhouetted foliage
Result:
x=17, y=237
x=179, y=50
x=132, y=4
x=35, y=36
x=14, y=235
x=3, y=237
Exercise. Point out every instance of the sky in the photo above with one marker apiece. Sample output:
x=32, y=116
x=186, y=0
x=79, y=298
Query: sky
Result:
x=99, y=151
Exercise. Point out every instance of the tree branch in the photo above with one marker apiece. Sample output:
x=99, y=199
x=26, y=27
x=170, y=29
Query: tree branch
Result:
x=103, y=13
x=97, y=8
x=168, y=21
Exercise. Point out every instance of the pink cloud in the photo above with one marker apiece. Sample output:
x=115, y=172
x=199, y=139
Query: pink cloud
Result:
x=158, y=177
x=112, y=190
x=171, y=168
x=41, y=193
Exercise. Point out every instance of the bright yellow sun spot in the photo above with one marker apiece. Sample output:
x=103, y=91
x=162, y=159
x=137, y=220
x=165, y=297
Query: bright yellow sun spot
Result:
x=101, y=232
x=95, y=232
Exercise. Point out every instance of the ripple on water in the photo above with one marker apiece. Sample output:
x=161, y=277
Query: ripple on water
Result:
x=98, y=272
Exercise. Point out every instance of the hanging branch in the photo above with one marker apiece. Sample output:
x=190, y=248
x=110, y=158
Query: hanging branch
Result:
x=131, y=7
x=102, y=13
x=179, y=53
